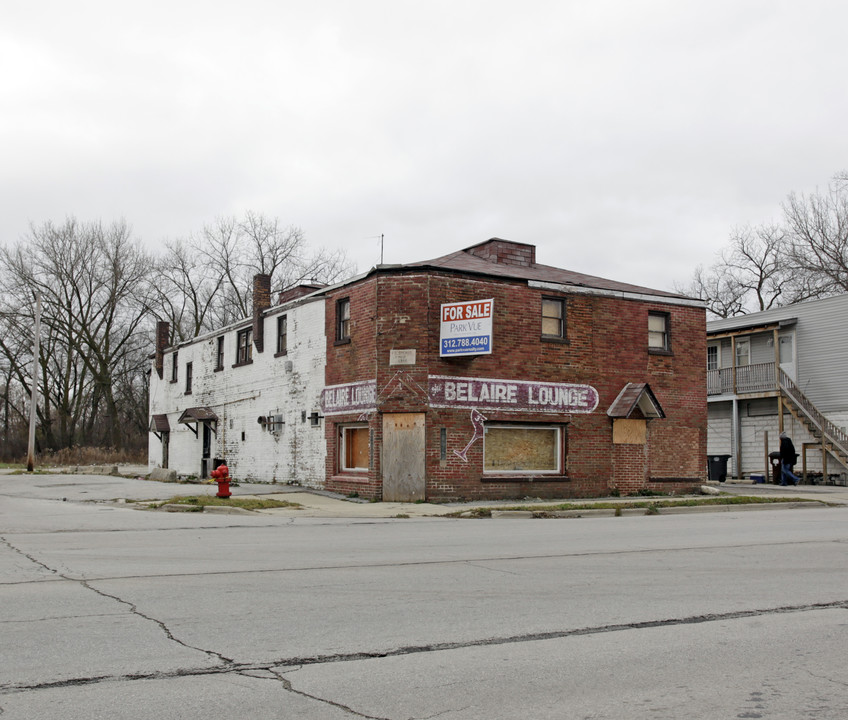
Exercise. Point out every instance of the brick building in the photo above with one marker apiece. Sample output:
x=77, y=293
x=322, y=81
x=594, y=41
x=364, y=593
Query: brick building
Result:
x=480, y=374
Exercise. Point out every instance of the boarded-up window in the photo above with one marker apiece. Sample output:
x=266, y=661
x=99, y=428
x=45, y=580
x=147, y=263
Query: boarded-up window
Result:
x=629, y=432
x=517, y=449
x=354, y=451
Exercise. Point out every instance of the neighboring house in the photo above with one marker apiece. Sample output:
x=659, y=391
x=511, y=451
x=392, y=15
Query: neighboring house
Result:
x=780, y=370
x=480, y=374
x=248, y=394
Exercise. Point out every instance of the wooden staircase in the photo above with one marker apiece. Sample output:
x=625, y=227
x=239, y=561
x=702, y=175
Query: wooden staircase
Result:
x=833, y=437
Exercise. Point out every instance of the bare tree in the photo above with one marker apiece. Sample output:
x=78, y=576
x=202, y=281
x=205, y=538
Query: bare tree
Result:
x=205, y=281
x=99, y=291
x=186, y=289
x=723, y=296
x=95, y=283
x=817, y=226
x=749, y=274
x=255, y=243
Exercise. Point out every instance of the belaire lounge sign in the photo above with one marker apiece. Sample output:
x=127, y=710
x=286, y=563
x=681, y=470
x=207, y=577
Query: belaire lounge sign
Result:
x=452, y=392
x=349, y=398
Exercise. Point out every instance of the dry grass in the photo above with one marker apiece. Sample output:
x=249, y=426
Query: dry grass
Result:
x=90, y=456
x=248, y=503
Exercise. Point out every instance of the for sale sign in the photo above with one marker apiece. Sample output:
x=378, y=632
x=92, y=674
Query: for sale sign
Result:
x=466, y=328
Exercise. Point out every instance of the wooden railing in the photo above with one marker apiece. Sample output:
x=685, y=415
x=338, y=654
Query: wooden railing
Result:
x=832, y=433
x=759, y=377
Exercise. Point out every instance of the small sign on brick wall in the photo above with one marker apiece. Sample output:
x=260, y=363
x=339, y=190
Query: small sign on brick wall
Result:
x=402, y=357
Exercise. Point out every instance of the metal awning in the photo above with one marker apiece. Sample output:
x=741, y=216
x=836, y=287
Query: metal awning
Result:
x=199, y=415
x=159, y=424
x=633, y=397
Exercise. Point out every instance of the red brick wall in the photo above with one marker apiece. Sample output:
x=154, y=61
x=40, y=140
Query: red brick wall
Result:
x=606, y=347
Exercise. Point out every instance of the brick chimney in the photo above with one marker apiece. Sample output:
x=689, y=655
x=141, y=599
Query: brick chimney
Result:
x=298, y=291
x=163, y=334
x=505, y=252
x=261, y=302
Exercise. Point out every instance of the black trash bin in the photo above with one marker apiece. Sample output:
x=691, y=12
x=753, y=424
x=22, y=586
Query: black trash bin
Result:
x=718, y=467
x=774, y=459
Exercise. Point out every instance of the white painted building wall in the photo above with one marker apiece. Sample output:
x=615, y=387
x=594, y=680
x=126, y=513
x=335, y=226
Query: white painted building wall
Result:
x=287, y=385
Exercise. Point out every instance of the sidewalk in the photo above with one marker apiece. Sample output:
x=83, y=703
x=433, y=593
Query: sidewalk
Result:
x=316, y=503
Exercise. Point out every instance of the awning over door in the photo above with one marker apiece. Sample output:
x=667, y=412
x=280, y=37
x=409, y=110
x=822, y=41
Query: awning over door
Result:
x=199, y=415
x=159, y=424
x=633, y=397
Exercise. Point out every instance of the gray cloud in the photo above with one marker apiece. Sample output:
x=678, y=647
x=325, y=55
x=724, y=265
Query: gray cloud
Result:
x=624, y=139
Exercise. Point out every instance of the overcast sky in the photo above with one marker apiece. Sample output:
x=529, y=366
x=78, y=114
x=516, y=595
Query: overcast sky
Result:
x=623, y=138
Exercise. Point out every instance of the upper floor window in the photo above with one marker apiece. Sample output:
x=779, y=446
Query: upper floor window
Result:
x=743, y=352
x=174, y=367
x=658, y=332
x=189, y=372
x=553, y=318
x=219, y=356
x=282, y=335
x=712, y=357
x=343, y=319
x=244, y=346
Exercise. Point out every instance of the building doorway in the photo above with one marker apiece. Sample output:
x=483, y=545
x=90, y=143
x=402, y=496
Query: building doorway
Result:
x=786, y=353
x=166, y=441
x=207, y=451
x=404, y=475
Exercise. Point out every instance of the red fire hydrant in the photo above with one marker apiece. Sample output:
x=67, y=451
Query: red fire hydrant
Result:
x=221, y=474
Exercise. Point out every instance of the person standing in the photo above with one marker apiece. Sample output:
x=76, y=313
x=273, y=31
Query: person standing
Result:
x=788, y=458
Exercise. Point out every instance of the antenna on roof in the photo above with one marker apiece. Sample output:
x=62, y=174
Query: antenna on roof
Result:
x=373, y=237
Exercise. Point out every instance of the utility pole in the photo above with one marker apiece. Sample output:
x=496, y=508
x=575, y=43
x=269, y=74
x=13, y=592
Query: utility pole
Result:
x=34, y=398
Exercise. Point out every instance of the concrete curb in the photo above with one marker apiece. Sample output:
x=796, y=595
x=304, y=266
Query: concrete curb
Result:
x=213, y=509
x=625, y=511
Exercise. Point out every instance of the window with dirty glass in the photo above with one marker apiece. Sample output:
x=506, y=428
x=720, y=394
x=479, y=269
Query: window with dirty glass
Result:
x=219, y=364
x=244, y=347
x=553, y=318
x=282, y=335
x=343, y=319
x=658, y=335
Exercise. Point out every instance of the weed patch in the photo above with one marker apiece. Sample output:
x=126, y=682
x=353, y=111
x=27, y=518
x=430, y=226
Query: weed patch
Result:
x=651, y=506
x=246, y=503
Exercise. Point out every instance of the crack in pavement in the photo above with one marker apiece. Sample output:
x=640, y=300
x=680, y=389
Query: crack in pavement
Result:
x=132, y=607
x=30, y=558
x=479, y=565
x=287, y=685
x=295, y=663
x=416, y=563
x=165, y=629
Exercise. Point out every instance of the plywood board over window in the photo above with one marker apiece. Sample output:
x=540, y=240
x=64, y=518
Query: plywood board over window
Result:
x=522, y=449
x=629, y=432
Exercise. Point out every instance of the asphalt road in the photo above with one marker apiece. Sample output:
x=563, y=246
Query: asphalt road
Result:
x=111, y=612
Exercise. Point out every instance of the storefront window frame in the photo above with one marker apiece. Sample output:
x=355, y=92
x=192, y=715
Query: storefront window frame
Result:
x=559, y=444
